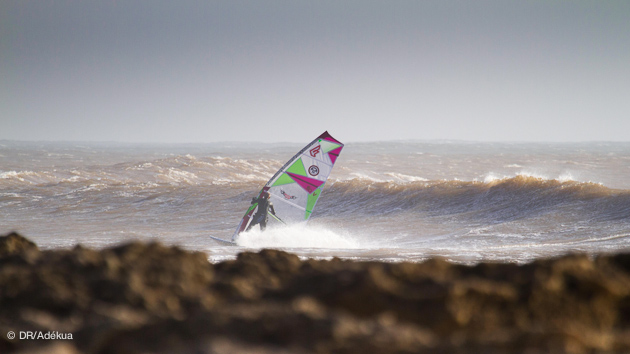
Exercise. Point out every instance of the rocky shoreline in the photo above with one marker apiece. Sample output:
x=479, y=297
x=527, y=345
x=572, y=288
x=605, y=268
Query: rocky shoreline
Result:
x=149, y=298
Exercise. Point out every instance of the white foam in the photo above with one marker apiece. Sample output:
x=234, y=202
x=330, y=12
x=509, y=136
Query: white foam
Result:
x=362, y=177
x=180, y=176
x=297, y=236
x=566, y=177
x=405, y=178
x=491, y=177
x=20, y=176
x=533, y=174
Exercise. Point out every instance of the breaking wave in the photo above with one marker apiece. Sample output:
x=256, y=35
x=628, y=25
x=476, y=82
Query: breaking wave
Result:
x=297, y=236
x=498, y=199
x=357, y=191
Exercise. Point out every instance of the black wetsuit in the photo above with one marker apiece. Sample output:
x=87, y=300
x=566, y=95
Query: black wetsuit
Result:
x=264, y=206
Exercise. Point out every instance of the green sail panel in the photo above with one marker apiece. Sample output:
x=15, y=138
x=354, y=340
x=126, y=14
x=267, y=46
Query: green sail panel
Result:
x=328, y=146
x=282, y=180
x=297, y=168
x=311, y=201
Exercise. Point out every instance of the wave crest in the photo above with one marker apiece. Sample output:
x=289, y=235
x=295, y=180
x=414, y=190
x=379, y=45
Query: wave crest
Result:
x=499, y=199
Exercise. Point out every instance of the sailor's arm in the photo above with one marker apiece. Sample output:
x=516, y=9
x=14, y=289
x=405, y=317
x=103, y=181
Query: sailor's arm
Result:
x=271, y=209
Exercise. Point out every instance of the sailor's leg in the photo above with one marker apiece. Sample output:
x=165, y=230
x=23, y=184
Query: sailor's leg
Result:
x=255, y=221
x=263, y=225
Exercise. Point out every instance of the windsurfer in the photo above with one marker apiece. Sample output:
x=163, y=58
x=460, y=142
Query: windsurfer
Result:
x=264, y=207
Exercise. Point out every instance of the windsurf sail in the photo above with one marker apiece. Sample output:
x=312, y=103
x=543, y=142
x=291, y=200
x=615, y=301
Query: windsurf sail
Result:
x=296, y=187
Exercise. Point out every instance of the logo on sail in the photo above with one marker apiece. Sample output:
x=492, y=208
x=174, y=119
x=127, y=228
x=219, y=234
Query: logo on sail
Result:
x=286, y=196
x=314, y=151
x=313, y=170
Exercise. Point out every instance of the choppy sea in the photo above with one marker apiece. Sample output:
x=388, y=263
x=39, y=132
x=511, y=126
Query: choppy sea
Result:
x=386, y=201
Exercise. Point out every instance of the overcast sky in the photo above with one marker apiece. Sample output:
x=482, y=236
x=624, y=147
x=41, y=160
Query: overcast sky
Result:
x=205, y=71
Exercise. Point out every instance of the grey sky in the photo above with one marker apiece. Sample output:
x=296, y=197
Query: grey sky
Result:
x=202, y=71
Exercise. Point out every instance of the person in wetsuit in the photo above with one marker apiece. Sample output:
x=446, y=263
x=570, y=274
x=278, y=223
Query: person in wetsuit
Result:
x=264, y=207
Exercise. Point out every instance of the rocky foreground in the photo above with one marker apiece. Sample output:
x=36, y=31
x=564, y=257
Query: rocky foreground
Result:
x=149, y=298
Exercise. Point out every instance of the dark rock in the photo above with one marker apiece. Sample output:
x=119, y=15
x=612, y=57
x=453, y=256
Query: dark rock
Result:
x=13, y=244
x=302, y=326
x=152, y=298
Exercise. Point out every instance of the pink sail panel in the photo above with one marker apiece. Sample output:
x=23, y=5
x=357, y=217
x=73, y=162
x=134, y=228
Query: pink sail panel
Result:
x=334, y=154
x=309, y=184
